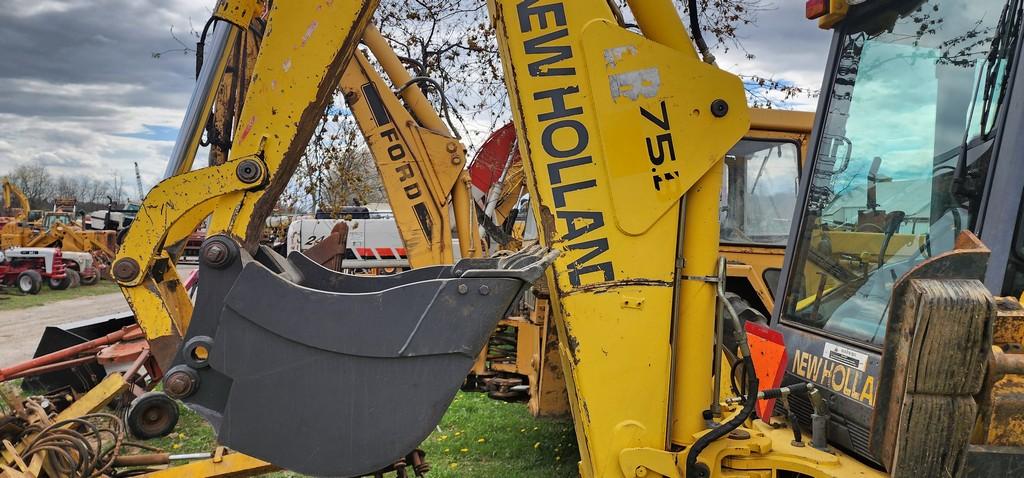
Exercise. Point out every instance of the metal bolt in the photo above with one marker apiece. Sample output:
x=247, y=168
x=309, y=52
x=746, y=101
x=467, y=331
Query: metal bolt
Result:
x=126, y=269
x=719, y=108
x=484, y=290
x=640, y=471
x=739, y=435
x=463, y=289
x=216, y=253
x=452, y=147
x=180, y=384
x=248, y=171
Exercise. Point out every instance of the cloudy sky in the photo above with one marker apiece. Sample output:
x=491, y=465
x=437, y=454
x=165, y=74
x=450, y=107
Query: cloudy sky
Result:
x=81, y=93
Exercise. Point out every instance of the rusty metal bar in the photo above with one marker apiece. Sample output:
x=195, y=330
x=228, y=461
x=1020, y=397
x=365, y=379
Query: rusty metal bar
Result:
x=53, y=367
x=67, y=353
x=136, y=365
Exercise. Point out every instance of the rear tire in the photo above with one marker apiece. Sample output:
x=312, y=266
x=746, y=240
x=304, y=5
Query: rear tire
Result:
x=30, y=282
x=59, y=284
x=76, y=278
x=91, y=280
x=152, y=415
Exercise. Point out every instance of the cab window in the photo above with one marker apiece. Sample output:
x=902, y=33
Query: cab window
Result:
x=759, y=192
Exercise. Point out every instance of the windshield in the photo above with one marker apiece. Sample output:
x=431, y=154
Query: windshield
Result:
x=759, y=192
x=51, y=219
x=890, y=187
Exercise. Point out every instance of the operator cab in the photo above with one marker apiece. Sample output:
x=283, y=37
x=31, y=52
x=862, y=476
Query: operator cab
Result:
x=759, y=192
x=911, y=116
x=51, y=218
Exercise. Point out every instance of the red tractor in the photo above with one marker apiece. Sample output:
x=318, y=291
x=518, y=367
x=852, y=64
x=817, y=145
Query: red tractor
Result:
x=27, y=267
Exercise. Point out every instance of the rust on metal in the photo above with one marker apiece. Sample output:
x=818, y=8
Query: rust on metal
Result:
x=330, y=252
x=66, y=353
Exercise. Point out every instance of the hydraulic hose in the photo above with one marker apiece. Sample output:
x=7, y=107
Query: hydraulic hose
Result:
x=699, y=470
x=698, y=37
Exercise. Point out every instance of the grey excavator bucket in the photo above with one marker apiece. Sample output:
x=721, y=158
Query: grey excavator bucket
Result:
x=333, y=374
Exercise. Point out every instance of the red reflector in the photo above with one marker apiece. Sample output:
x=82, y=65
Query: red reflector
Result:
x=768, y=351
x=816, y=8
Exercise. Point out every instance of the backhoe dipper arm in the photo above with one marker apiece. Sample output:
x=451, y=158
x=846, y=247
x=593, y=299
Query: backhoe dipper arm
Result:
x=11, y=193
x=302, y=54
x=424, y=113
x=420, y=162
x=285, y=334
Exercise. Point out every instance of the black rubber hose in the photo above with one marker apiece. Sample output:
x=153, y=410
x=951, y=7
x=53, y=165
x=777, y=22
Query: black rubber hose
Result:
x=698, y=37
x=695, y=470
x=201, y=45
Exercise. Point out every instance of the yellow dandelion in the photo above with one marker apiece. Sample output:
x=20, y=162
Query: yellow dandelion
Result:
x=536, y=445
x=481, y=440
x=446, y=450
x=557, y=458
x=464, y=450
x=453, y=465
x=176, y=446
x=458, y=433
x=522, y=430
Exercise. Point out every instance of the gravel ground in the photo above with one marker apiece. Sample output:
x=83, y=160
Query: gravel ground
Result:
x=20, y=329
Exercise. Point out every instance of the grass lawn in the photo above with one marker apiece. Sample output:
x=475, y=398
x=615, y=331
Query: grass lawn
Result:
x=11, y=298
x=478, y=437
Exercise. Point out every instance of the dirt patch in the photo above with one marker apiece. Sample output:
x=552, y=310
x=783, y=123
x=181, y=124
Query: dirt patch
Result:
x=21, y=329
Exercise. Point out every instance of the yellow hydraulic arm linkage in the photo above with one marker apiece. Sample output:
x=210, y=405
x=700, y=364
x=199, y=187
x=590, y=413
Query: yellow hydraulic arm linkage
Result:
x=299, y=64
x=421, y=162
x=287, y=335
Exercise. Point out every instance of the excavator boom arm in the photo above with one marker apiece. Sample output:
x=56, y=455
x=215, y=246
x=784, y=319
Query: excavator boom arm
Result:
x=285, y=333
x=418, y=166
x=13, y=193
x=301, y=57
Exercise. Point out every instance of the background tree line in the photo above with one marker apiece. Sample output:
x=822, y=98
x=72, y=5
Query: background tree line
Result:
x=42, y=188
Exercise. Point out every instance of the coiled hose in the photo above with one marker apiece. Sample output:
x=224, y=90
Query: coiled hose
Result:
x=82, y=447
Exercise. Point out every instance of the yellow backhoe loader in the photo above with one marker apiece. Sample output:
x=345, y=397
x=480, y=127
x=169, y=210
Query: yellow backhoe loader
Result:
x=421, y=162
x=623, y=136
x=56, y=229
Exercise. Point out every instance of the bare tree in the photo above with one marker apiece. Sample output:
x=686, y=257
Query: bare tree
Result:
x=35, y=181
x=337, y=169
x=452, y=42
